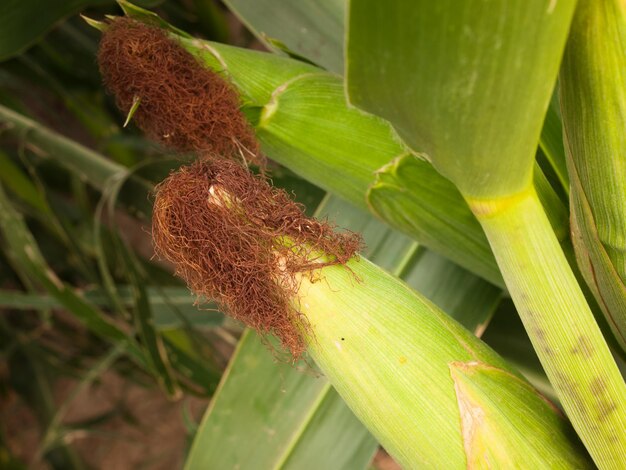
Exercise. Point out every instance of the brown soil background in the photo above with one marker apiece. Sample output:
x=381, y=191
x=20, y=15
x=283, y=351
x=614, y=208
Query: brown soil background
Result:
x=145, y=430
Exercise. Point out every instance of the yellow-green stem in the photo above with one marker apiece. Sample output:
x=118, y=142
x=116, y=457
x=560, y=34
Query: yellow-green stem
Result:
x=559, y=322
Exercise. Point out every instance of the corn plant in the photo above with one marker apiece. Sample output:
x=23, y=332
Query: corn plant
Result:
x=442, y=120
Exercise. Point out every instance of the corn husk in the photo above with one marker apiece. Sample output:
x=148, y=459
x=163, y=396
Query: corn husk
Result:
x=593, y=99
x=432, y=393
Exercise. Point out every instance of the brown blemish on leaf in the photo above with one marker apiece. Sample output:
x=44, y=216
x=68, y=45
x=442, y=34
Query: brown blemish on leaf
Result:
x=606, y=408
x=472, y=415
x=540, y=334
x=583, y=346
x=477, y=424
x=563, y=381
x=235, y=239
x=598, y=386
x=402, y=360
x=183, y=105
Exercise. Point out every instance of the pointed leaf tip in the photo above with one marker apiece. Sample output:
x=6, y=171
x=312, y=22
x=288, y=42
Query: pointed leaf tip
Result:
x=99, y=25
x=133, y=110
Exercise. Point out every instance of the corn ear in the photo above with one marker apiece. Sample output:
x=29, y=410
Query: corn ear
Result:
x=432, y=393
x=593, y=100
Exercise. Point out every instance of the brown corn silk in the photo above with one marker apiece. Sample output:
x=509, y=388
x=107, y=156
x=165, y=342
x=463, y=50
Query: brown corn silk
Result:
x=234, y=238
x=183, y=105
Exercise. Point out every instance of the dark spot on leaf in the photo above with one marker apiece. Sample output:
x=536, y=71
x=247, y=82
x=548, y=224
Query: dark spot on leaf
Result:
x=583, y=346
x=597, y=386
x=540, y=334
x=606, y=408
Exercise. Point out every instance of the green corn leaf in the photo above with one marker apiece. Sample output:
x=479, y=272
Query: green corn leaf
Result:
x=22, y=22
x=554, y=207
x=551, y=142
x=472, y=95
x=282, y=411
x=172, y=307
x=14, y=179
x=90, y=114
x=28, y=258
x=311, y=28
x=85, y=163
x=593, y=97
x=145, y=327
x=54, y=429
x=33, y=383
x=192, y=358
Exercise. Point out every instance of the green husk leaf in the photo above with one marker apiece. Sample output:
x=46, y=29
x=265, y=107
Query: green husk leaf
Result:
x=593, y=97
x=255, y=74
x=390, y=361
x=132, y=110
x=319, y=137
x=147, y=16
x=99, y=25
x=412, y=196
x=485, y=420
